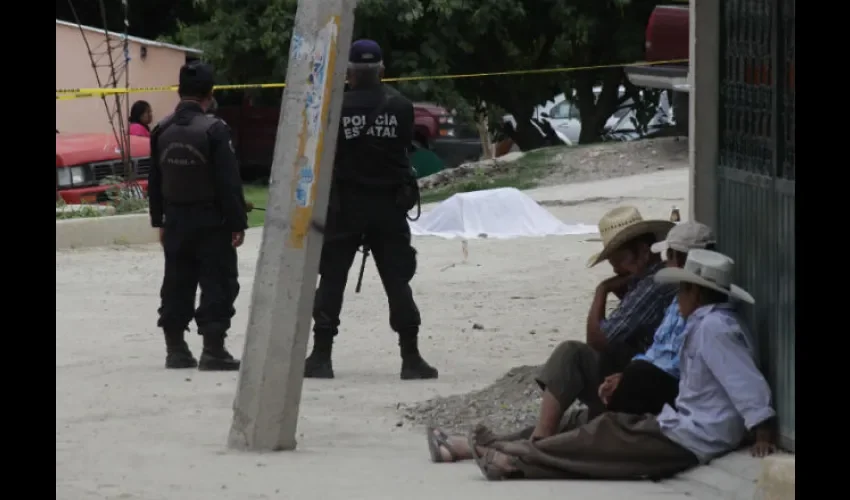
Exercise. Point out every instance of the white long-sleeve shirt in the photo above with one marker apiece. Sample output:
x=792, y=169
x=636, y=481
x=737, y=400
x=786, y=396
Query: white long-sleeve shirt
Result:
x=722, y=393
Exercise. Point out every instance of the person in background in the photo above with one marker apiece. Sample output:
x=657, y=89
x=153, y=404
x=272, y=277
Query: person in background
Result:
x=141, y=117
x=372, y=190
x=196, y=201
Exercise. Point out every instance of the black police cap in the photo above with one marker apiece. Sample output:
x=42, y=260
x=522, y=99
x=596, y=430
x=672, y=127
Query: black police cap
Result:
x=196, y=76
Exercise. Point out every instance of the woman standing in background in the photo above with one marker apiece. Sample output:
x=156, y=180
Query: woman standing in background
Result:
x=141, y=116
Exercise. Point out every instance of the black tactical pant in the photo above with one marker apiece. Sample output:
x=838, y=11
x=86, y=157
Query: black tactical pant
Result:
x=374, y=218
x=198, y=251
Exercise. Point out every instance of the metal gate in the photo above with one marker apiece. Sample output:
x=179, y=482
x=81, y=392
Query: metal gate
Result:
x=756, y=181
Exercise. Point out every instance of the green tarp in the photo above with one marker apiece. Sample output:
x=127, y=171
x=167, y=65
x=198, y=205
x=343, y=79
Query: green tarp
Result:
x=426, y=163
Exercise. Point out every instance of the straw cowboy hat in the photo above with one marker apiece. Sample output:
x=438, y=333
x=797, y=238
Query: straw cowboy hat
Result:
x=622, y=224
x=707, y=269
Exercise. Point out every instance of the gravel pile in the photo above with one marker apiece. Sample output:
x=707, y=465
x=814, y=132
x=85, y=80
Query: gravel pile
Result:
x=509, y=404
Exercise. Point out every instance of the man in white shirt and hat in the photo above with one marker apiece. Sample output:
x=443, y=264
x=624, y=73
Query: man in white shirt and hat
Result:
x=722, y=396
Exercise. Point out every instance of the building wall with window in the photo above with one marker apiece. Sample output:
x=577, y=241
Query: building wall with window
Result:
x=151, y=64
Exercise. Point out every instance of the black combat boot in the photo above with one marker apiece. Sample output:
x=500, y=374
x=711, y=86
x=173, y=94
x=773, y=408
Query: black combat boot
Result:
x=318, y=363
x=214, y=357
x=413, y=367
x=177, y=353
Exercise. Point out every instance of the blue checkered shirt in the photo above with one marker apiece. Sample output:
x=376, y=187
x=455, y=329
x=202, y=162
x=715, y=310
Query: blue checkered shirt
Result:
x=664, y=351
x=640, y=311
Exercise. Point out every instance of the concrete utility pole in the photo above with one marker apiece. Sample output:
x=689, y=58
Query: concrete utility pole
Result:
x=265, y=412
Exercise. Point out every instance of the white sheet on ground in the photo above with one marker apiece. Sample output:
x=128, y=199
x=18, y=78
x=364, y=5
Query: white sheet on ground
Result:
x=493, y=213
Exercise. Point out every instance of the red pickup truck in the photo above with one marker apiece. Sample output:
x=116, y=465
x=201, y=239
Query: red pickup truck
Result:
x=254, y=128
x=667, y=39
x=87, y=166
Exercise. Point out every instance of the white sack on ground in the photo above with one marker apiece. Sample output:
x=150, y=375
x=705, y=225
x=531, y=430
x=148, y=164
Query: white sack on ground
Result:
x=493, y=213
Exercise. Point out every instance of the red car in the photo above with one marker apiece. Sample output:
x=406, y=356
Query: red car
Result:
x=87, y=166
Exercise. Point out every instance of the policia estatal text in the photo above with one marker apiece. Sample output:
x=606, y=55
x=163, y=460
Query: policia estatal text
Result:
x=372, y=190
x=197, y=202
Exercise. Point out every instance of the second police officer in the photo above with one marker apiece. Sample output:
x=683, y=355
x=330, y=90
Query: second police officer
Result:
x=373, y=189
x=196, y=201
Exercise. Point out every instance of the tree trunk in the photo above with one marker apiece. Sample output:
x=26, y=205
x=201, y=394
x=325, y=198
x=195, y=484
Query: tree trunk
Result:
x=524, y=134
x=594, y=110
x=482, y=124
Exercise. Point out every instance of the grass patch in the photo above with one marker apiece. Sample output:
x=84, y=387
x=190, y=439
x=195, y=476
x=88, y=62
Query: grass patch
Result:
x=258, y=194
x=84, y=212
x=122, y=200
x=524, y=173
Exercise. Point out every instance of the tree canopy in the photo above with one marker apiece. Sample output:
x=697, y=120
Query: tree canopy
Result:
x=248, y=41
x=148, y=19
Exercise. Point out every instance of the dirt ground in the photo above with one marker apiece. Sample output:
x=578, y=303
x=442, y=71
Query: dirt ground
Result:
x=610, y=160
x=560, y=165
x=126, y=428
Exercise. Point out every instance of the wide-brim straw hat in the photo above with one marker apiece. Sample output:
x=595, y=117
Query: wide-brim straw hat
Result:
x=623, y=224
x=707, y=269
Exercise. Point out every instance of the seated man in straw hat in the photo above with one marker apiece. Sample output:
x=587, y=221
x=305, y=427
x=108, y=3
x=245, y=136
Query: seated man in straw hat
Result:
x=651, y=379
x=575, y=370
x=722, y=396
x=648, y=382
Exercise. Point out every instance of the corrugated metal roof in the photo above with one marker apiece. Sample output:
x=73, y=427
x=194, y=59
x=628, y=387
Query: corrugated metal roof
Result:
x=143, y=41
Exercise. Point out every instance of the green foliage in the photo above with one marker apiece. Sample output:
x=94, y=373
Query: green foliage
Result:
x=123, y=198
x=248, y=40
x=82, y=212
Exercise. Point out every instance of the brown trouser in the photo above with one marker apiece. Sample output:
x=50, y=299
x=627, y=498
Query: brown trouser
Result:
x=574, y=371
x=611, y=446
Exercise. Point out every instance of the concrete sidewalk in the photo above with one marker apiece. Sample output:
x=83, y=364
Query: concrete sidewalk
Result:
x=128, y=429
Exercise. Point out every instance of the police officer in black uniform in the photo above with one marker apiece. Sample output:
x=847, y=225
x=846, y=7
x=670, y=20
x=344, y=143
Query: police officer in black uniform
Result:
x=373, y=188
x=197, y=203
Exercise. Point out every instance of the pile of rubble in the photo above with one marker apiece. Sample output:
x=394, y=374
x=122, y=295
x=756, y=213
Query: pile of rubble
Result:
x=466, y=170
x=509, y=404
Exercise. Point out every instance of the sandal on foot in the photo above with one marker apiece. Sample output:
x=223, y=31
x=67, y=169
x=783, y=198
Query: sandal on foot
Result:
x=436, y=440
x=486, y=463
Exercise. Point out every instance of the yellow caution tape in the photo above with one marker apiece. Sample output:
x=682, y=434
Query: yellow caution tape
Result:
x=81, y=93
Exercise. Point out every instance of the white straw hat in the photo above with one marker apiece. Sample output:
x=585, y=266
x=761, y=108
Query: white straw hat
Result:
x=707, y=269
x=623, y=224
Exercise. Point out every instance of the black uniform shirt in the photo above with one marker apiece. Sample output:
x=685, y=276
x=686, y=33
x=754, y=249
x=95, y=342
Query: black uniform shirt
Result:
x=222, y=164
x=380, y=156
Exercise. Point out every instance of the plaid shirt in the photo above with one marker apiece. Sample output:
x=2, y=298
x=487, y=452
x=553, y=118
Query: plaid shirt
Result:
x=640, y=311
x=664, y=351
